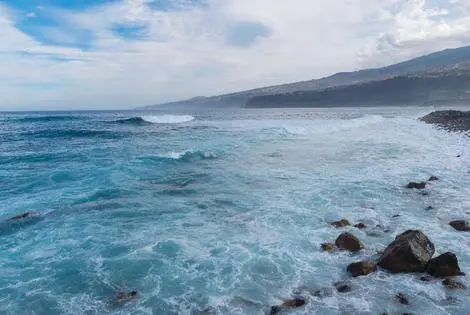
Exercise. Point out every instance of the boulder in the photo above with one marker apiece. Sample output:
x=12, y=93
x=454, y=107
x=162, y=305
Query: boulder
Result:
x=402, y=299
x=124, y=297
x=453, y=284
x=429, y=208
x=362, y=268
x=23, y=216
x=413, y=185
x=349, y=242
x=360, y=226
x=433, y=178
x=445, y=265
x=340, y=223
x=294, y=303
x=343, y=286
x=460, y=225
x=409, y=252
x=426, y=279
x=328, y=247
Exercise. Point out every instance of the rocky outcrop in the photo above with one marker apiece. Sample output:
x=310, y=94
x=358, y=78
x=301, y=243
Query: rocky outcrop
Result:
x=23, y=216
x=362, y=268
x=409, y=252
x=460, y=225
x=451, y=120
x=294, y=303
x=343, y=286
x=340, y=223
x=414, y=185
x=453, y=284
x=349, y=242
x=402, y=299
x=433, y=178
x=328, y=247
x=360, y=226
x=445, y=265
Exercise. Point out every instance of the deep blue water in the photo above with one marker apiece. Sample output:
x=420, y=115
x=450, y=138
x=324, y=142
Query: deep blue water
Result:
x=221, y=212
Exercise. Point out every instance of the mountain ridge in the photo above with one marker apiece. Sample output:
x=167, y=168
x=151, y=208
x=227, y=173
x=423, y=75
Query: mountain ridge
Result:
x=437, y=63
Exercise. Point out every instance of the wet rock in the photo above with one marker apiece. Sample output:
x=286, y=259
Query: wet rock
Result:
x=445, y=265
x=396, y=216
x=362, y=268
x=429, y=208
x=340, y=223
x=360, y=226
x=413, y=185
x=294, y=303
x=460, y=225
x=451, y=120
x=433, y=178
x=124, y=297
x=349, y=242
x=453, y=284
x=328, y=247
x=317, y=292
x=21, y=216
x=426, y=279
x=343, y=286
x=402, y=299
x=409, y=252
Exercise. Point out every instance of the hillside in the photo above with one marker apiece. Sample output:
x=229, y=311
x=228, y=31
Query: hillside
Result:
x=447, y=63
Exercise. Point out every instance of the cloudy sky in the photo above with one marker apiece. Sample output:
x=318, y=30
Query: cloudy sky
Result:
x=102, y=54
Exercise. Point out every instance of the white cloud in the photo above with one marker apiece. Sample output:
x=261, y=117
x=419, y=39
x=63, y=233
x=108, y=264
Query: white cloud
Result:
x=184, y=52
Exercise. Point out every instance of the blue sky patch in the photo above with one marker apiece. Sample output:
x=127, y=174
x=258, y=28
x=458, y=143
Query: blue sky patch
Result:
x=245, y=33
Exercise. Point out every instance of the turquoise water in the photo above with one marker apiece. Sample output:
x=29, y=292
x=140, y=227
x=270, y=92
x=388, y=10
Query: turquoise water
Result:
x=221, y=212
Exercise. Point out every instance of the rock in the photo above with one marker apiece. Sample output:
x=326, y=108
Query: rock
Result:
x=453, y=284
x=413, y=185
x=400, y=297
x=21, y=216
x=429, y=208
x=396, y=216
x=328, y=247
x=426, y=279
x=445, y=265
x=451, y=120
x=360, y=226
x=409, y=252
x=340, y=223
x=343, y=286
x=123, y=297
x=433, y=178
x=349, y=242
x=362, y=268
x=288, y=304
x=460, y=225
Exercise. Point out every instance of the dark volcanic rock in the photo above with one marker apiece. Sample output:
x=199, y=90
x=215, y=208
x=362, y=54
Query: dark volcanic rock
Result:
x=429, y=208
x=123, y=297
x=343, y=286
x=413, y=185
x=400, y=297
x=409, y=252
x=349, y=242
x=453, y=284
x=360, y=226
x=426, y=278
x=21, y=216
x=460, y=225
x=451, y=120
x=433, y=178
x=340, y=223
x=328, y=247
x=288, y=304
x=362, y=268
x=445, y=265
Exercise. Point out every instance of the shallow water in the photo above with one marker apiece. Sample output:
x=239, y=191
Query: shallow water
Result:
x=221, y=211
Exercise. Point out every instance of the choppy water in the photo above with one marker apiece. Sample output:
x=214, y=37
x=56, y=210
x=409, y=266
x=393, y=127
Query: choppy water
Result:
x=222, y=211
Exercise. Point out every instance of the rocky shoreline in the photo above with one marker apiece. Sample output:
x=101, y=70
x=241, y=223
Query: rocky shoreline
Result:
x=451, y=120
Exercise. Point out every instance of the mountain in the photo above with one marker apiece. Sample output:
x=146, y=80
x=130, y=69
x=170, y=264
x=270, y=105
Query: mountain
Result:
x=416, y=80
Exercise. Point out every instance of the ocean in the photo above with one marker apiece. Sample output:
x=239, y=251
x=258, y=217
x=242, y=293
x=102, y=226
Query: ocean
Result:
x=223, y=211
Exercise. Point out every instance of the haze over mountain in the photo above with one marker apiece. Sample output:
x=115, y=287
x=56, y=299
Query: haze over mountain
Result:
x=442, y=76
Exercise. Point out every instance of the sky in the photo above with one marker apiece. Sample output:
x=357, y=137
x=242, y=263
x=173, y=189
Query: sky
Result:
x=117, y=54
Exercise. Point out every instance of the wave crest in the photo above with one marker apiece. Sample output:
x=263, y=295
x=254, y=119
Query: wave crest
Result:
x=329, y=126
x=168, y=119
